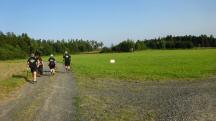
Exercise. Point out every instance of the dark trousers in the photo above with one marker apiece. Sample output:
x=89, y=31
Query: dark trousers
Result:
x=40, y=70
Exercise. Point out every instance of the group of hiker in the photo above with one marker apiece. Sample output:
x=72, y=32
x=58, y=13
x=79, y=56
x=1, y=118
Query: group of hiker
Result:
x=35, y=64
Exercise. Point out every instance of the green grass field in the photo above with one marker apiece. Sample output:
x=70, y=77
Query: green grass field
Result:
x=147, y=65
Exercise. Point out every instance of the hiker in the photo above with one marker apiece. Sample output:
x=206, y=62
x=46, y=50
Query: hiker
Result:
x=67, y=61
x=40, y=64
x=52, y=64
x=32, y=64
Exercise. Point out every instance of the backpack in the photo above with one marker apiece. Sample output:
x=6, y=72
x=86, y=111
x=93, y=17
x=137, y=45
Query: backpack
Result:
x=67, y=57
x=32, y=62
x=52, y=62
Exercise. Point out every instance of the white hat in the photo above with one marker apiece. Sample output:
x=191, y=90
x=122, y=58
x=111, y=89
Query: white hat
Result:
x=32, y=55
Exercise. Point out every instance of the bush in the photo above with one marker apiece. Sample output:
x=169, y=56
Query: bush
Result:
x=106, y=50
x=125, y=46
x=9, y=52
x=140, y=45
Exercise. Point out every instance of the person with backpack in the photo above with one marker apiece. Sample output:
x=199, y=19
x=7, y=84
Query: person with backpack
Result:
x=32, y=64
x=67, y=61
x=40, y=64
x=52, y=64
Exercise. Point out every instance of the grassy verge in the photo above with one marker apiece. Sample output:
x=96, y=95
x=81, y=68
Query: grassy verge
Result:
x=12, y=76
x=77, y=104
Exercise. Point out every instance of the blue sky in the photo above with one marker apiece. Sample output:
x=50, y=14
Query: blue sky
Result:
x=109, y=21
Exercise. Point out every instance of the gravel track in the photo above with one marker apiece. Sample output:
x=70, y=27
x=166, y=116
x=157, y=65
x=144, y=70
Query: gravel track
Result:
x=51, y=99
x=160, y=101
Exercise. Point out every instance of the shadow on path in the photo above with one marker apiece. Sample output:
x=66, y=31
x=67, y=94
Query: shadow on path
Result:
x=22, y=77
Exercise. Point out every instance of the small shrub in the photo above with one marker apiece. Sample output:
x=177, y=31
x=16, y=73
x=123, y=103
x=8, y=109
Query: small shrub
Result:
x=106, y=50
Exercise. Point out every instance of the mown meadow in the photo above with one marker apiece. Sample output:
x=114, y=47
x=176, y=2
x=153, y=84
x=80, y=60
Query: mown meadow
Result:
x=147, y=65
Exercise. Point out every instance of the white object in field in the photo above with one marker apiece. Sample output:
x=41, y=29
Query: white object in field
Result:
x=112, y=61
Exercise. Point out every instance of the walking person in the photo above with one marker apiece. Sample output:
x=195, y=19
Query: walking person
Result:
x=52, y=64
x=67, y=61
x=32, y=64
x=40, y=64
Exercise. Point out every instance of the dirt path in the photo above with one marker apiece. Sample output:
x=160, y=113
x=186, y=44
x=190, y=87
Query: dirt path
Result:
x=51, y=99
x=150, y=101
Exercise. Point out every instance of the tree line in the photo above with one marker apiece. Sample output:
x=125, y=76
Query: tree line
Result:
x=168, y=42
x=14, y=46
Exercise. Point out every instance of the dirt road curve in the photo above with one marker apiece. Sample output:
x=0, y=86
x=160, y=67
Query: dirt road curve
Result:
x=51, y=99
